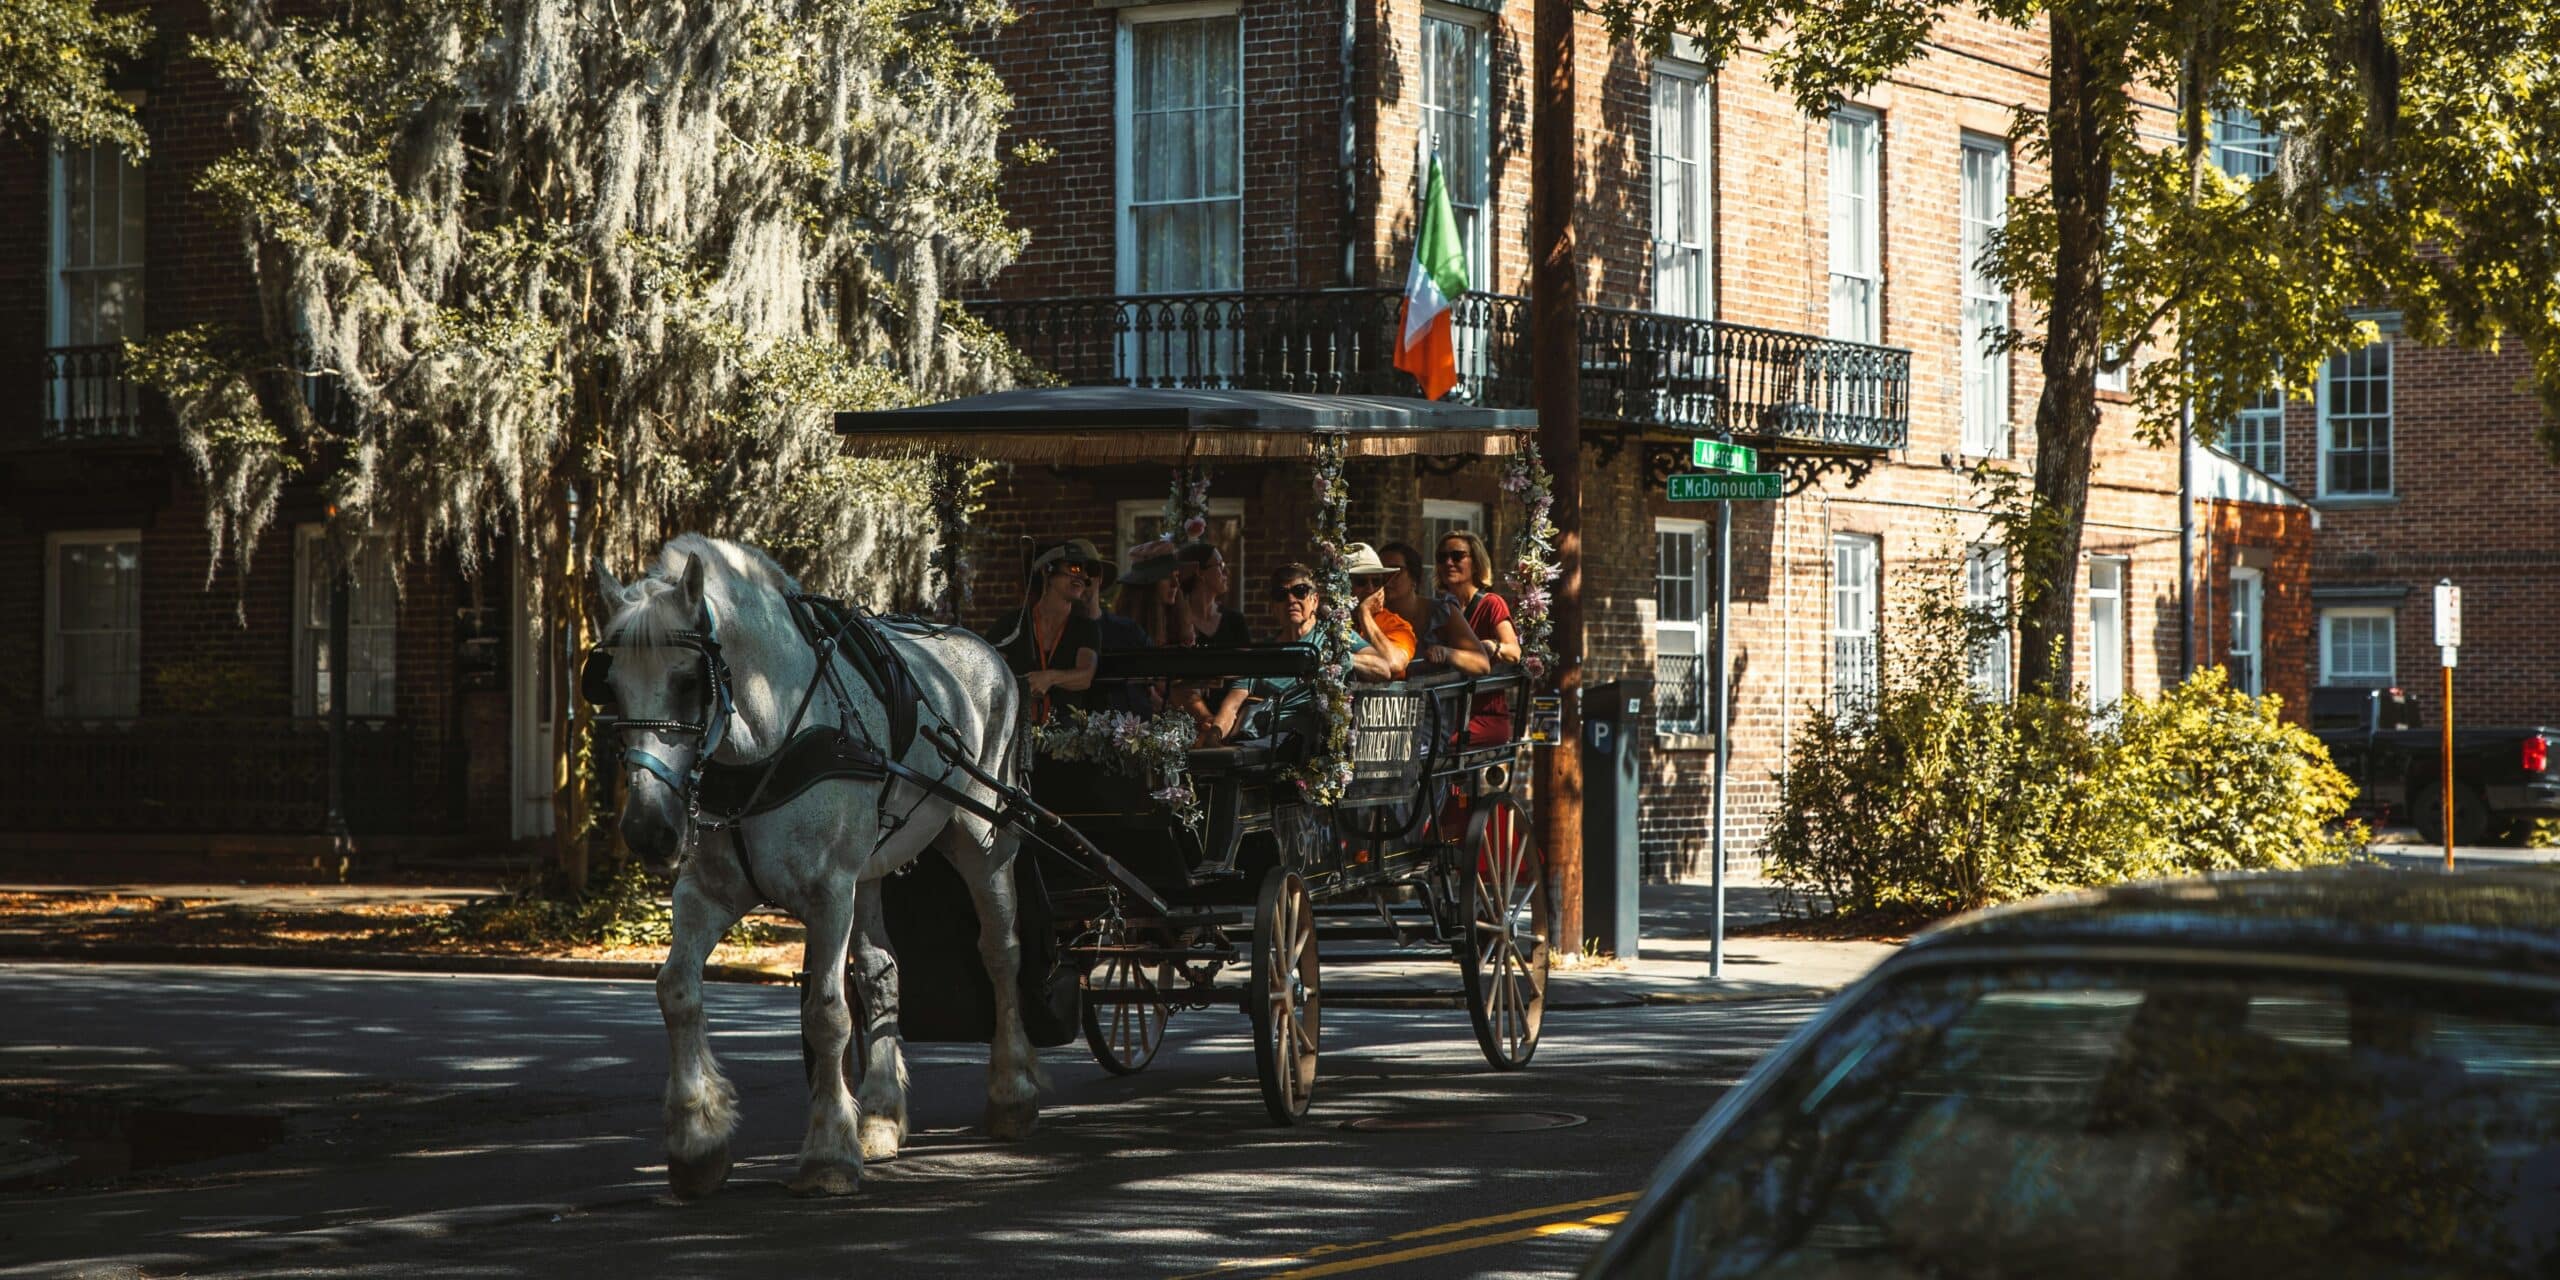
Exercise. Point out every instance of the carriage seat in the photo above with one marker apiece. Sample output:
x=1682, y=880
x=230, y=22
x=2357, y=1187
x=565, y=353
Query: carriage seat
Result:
x=1235, y=757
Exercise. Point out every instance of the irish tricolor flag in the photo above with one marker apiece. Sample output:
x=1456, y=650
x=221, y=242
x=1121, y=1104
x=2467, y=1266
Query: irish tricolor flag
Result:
x=1439, y=275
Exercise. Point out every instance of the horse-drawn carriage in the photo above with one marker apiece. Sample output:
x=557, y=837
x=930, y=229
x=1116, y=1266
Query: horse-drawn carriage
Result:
x=1426, y=819
x=1098, y=892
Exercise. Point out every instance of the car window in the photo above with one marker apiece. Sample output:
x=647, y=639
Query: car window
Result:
x=2132, y=1123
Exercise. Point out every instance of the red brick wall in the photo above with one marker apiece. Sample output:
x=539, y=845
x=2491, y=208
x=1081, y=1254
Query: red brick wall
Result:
x=2278, y=542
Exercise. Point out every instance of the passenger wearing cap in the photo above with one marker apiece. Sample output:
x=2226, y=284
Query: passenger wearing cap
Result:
x=1390, y=636
x=1050, y=642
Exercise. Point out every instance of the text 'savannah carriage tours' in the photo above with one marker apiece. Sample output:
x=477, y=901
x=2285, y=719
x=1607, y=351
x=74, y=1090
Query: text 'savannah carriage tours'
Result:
x=1098, y=872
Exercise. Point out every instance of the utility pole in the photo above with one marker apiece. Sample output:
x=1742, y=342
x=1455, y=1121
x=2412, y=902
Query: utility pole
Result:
x=1555, y=366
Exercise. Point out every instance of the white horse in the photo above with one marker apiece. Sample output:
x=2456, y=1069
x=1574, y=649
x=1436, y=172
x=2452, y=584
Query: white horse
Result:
x=814, y=856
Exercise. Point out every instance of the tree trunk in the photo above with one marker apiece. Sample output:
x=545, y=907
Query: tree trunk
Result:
x=2081, y=118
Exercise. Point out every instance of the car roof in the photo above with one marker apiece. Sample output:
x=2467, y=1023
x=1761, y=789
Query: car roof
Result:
x=2505, y=920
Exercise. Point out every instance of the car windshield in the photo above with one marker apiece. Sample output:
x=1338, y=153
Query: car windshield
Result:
x=2102, y=1123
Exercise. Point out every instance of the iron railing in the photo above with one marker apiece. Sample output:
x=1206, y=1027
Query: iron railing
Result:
x=1679, y=693
x=88, y=397
x=1638, y=369
x=1855, y=676
x=255, y=774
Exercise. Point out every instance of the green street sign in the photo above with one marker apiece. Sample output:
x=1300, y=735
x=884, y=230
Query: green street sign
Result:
x=1711, y=455
x=1712, y=487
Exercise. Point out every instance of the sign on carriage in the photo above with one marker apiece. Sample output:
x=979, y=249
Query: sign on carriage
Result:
x=1708, y=486
x=1715, y=455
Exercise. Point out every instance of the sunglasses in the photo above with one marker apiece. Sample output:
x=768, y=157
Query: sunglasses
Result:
x=1294, y=591
x=1071, y=571
x=1454, y=555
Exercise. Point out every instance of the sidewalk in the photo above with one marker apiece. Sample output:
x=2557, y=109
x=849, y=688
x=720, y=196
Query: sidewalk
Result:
x=1671, y=967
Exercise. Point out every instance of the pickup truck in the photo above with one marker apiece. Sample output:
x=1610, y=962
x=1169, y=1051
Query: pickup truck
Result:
x=2502, y=778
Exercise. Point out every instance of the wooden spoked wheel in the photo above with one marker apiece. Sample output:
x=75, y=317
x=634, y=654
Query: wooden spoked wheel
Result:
x=1125, y=1012
x=1510, y=923
x=1283, y=994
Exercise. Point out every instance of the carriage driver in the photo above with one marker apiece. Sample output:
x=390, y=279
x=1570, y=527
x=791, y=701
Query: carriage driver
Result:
x=1051, y=643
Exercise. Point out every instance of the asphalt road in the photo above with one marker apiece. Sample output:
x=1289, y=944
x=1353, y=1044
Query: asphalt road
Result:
x=494, y=1127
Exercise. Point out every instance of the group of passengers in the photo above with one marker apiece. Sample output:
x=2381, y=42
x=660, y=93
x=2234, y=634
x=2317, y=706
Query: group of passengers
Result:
x=1174, y=597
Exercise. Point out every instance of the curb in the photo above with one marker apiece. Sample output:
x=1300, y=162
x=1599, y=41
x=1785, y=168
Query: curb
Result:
x=643, y=971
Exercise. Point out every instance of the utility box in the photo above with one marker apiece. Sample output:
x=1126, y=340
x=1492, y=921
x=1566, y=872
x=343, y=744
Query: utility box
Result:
x=1613, y=718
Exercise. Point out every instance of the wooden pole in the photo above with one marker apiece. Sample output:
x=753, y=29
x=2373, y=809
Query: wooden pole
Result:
x=1555, y=366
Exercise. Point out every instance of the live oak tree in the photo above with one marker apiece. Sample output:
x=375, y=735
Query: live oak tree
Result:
x=56, y=58
x=2417, y=173
x=573, y=277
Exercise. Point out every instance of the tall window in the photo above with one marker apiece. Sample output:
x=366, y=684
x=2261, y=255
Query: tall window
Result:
x=1681, y=284
x=93, y=625
x=1986, y=599
x=373, y=626
x=95, y=299
x=2256, y=436
x=1442, y=517
x=2241, y=147
x=2357, y=647
x=1857, y=253
x=1679, y=623
x=1181, y=154
x=1986, y=303
x=1456, y=66
x=1142, y=520
x=2106, y=631
x=2248, y=610
x=1856, y=597
x=2355, y=422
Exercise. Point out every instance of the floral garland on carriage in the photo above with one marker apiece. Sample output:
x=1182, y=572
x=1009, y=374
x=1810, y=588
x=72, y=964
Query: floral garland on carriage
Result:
x=1533, y=558
x=1327, y=770
x=1156, y=750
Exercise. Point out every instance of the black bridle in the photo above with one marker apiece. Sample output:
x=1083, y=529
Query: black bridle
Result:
x=708, y=732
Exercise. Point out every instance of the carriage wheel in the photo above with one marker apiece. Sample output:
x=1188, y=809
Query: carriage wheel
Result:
x=1125, y=1012
x=1505, y=895
x=1283, y=994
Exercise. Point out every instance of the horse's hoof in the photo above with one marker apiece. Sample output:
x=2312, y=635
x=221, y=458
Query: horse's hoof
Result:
x=693, y=1179
x=880, y=1138
x=827, y=1180
x=1012, y=1121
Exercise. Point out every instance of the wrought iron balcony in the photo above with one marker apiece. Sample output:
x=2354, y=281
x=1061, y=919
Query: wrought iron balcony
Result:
x=1679, y=693
x=1639, y=370
x=87, y=396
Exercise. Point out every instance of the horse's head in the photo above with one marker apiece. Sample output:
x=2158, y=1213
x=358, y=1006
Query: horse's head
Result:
x=657, y=667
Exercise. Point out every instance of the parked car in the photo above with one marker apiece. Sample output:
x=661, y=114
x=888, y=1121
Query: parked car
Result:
x=2501, y=777
x=2348, y=1072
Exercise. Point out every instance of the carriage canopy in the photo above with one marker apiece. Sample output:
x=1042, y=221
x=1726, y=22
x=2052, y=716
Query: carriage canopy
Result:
x=1100, y=425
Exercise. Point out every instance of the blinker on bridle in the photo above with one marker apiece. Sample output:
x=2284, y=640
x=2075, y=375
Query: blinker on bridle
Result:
x=595, y=685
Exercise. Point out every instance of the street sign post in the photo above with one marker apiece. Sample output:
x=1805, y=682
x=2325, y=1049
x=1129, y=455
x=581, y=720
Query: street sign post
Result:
x=2448, y=643
x=1708, y=486
x=1715, y=455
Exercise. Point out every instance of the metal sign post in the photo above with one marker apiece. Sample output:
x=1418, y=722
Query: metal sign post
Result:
x=2449, y=644
x=1715, y=696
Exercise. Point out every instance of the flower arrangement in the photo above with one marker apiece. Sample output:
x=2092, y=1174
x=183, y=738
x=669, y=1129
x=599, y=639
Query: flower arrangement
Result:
x=1156, y=750
x=1328, y=770
x=1186, y=507
x=1533, y=558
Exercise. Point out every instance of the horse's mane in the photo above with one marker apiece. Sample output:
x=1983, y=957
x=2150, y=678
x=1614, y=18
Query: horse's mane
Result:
x=727, y=568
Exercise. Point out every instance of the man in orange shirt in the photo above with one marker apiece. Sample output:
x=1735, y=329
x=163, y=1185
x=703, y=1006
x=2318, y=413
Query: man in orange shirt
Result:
x=1389, y=634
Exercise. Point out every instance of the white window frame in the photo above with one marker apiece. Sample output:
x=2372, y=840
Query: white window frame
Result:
x=1986, y=590
x=2255, y=437
x=1130, y=523
x=310, y=642
x=2107, y=635
x=1125, y=139
x=1689, y=250
x=1677, y=636
x=1857, y=257
x=2387, y=420
x=1444, y=516
x=1857, y=612
x=55, y=705
x=2242, y=148
x=1474, y=209
x=1987, y=408
x=2332, y=674
x=130, y=185
x=2248, y=628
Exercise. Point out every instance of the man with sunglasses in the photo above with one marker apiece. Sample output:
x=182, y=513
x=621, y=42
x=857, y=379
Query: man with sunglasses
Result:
x=1051, y=643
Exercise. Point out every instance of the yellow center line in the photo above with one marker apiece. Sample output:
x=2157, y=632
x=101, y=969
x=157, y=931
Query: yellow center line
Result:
x=1596, y=1222
x=1425, y=1233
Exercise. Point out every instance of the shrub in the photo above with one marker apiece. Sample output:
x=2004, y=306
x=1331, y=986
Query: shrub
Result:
x=1938, y=799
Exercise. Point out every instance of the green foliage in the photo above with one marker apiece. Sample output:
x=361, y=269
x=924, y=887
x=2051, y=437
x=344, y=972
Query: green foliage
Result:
x=213, y=687
x=56, y=64
x=622, y=906
x=1939, y=799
